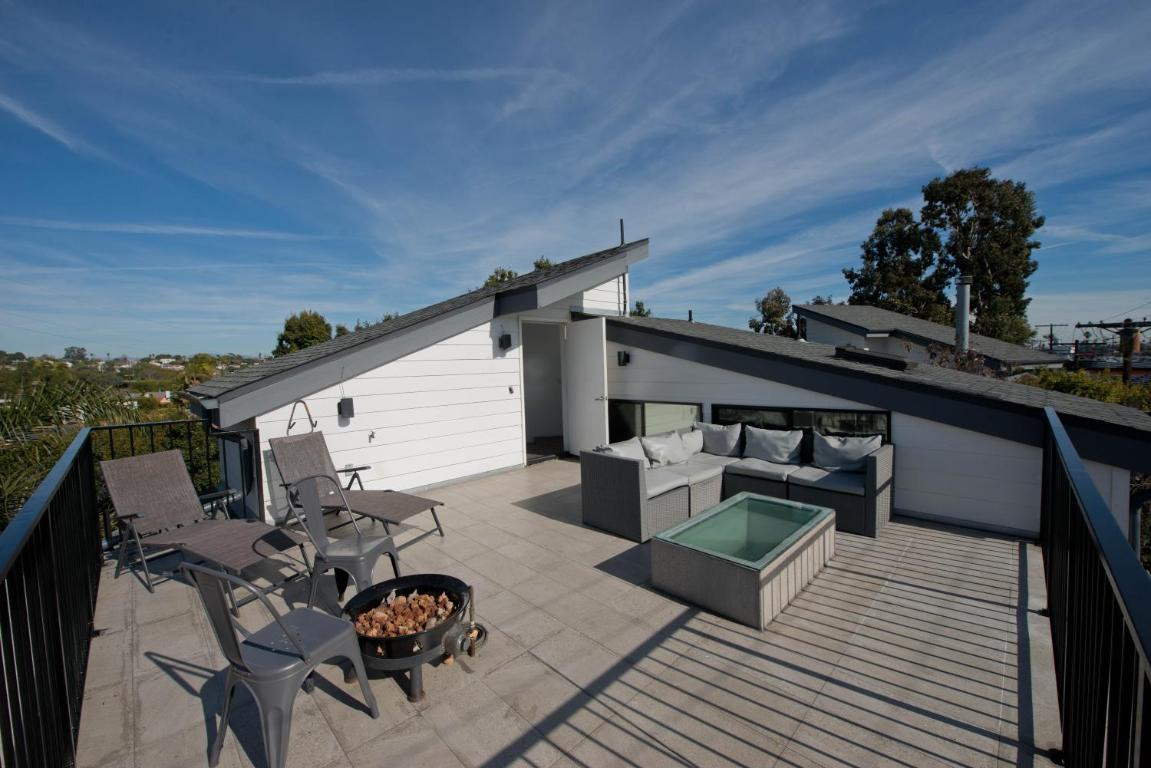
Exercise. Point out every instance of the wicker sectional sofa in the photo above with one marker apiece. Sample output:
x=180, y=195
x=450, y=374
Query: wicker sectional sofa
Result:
x=624, y=495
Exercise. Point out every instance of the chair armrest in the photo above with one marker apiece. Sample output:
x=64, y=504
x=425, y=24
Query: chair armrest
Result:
x=880, y=469
x=623, y=475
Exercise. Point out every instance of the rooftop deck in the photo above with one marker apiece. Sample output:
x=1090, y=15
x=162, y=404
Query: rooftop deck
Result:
x=916, y=649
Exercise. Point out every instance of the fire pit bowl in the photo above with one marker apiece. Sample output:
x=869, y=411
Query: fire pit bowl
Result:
x=452, y=636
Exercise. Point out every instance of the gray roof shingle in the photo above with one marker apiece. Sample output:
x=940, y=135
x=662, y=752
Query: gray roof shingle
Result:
x=266, y=369
x=944, y=380
x=875, y=320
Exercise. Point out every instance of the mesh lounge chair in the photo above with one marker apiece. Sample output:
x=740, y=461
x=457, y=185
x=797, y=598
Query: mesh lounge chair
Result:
x=306, y=455
x=157, y=508
x=274, y=661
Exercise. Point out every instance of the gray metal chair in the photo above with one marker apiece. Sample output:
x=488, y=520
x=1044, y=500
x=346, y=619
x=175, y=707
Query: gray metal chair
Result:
x=355, y=555
x=274, y=661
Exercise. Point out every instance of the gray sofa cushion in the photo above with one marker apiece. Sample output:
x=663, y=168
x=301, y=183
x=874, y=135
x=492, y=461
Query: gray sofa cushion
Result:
x=853, y=483
x=714, y=461
x=844, y=454
x=779, y=445
x=766, y=470
x=696, y=472
x=720, y=440
x=665, y=449
x=692, y=441
x=663, y=480
x=631, y=449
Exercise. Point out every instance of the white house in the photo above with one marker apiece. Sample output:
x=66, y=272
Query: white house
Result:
x=462, y=387
x=882, y=330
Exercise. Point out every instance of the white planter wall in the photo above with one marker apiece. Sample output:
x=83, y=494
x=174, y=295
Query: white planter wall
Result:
x=941, y=472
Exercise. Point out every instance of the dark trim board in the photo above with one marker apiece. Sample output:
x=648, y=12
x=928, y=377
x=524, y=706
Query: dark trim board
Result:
x=1096, y=441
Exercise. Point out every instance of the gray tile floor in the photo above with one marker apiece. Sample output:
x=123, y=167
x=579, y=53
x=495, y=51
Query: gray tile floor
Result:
x=916, y=649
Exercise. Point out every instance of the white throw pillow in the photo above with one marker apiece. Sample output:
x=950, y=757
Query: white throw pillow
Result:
x=631, y=449
x=666, y=449
x=692, y=441
x=720, y=440
x=844, y=454
x=779, y=445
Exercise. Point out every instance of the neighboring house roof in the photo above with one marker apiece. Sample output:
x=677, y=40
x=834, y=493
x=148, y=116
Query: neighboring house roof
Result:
x=865, y=319
x=519, y=294
x=982, y=403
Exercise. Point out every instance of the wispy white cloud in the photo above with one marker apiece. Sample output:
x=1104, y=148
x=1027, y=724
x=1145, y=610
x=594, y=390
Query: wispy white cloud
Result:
x=389, y=76
x=179, y=230
x=42, y=124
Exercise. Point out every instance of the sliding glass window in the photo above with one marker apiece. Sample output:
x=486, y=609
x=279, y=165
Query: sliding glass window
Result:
x=631, y=418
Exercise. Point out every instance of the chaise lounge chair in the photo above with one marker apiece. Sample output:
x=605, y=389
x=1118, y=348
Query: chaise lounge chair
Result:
x=302, y=456
x=157, y=508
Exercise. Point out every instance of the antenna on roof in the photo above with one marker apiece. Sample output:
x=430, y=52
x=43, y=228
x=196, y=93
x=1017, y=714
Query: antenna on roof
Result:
x=621, y=240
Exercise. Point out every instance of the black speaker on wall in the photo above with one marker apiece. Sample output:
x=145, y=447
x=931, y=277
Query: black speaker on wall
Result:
x=505, y=341
x=345, y=408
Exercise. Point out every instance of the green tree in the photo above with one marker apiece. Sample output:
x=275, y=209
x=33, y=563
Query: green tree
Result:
x=499, y=275
x=200, y=367
x=341, y=330
x=640, y=310
x=901, y=269
x=362, y=324
x=75, y=354
x=774, y=314
x=986, y=227
x=302, y=330
x=542, y=263
x=36, y=425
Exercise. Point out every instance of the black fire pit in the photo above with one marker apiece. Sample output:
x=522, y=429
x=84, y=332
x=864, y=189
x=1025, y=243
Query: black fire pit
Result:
x=453, y=636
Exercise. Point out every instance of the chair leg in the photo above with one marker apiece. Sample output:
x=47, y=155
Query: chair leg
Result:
x=275, y=701
x=222, y=731
x=395, y=558
x=357, y=660
x=143, y=560
x=439, y=526
x=316, y=571
x=123, y=553
x=361, y=573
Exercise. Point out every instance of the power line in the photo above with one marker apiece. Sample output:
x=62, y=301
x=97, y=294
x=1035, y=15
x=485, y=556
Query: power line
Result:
x=1117, y=314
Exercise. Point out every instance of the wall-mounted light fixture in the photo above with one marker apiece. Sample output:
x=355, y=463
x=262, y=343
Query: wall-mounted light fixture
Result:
x=345, y=408
x=505, y=341
x=623, y=357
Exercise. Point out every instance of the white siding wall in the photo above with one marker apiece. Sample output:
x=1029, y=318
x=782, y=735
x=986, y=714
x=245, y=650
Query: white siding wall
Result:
x=609, y=297
x=448, y=411
x=941, y=471
x=825, y=333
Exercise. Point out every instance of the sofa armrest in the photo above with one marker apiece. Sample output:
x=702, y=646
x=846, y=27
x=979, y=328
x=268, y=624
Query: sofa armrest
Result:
x=880, y=469
x=612, y=490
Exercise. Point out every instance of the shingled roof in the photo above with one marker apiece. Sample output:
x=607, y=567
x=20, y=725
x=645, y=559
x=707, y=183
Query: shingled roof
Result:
x=867, y=319
x=943, y=381
x=274, y=367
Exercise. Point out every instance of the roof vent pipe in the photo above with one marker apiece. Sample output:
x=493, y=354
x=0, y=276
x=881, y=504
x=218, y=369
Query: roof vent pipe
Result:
x=690, y=316
x=962, y=314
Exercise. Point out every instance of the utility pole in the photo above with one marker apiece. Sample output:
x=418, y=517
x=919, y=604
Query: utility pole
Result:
x=1051, y=332
x=1130, y=340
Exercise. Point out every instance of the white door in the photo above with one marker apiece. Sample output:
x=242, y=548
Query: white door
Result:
x=585, y=396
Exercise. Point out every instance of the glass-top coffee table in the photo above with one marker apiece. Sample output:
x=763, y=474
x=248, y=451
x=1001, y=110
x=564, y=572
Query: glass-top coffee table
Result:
x=745, y=558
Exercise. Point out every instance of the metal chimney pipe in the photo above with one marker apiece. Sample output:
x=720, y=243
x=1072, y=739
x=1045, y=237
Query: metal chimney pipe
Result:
x=962, y=314
x=690, y=317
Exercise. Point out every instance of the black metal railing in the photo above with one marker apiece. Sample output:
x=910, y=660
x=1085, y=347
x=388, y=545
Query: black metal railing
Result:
x=50, y=561
x=50, y=558
x=1099, y=600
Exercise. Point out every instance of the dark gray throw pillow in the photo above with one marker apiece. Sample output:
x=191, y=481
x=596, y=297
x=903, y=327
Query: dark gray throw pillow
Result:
x=844, y=454
x=720, y=440
x=779, y=445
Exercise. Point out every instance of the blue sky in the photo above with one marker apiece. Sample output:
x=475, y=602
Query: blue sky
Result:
x=181, y=177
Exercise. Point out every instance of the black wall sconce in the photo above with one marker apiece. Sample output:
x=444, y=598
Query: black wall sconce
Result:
x=623, y=357
x=505, y=341
x=345, y=408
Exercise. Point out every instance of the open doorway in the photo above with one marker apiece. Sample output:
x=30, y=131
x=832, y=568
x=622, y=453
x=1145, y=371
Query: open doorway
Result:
x=543, y=390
